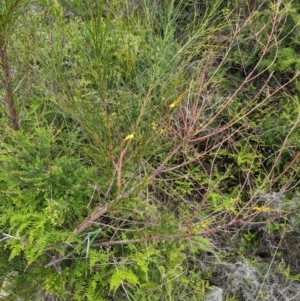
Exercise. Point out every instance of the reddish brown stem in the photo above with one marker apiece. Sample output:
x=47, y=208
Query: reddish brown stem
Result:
x=97, y=213
x=290, y=165
x=166, y=237
x=8, y=88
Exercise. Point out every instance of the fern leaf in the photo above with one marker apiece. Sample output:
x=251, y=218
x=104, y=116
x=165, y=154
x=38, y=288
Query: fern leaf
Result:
x=122, y=275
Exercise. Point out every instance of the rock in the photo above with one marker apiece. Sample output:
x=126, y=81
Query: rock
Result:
x=215, y=293
x=4, y=292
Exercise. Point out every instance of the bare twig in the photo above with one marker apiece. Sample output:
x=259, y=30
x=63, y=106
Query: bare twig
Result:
x=97, y=213
x=167, y=237
x=8, y=86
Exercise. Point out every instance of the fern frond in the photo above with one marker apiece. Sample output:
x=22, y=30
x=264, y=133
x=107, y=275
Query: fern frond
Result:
x=120, y=276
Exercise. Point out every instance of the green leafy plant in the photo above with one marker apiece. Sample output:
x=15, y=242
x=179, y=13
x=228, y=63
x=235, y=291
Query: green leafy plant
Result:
x=147, y=139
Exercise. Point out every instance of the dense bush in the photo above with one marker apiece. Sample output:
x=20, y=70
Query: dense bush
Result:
x=145, y=138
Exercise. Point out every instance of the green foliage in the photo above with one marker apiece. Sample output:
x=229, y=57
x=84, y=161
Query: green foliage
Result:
x=120, y=276
x=248, y=242
x=44, y=189
x=10, y=11
x=148, y=132
x=37, y=172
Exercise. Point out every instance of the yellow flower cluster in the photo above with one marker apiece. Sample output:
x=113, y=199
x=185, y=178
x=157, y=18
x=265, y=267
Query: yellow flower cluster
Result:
x=155, y=127
x=54, y=211
x=128, y=137
x=175, y=103
x=206, y=223
x=262, y=209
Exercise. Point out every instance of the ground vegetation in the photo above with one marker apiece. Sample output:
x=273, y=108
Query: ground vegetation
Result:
x=149, y=149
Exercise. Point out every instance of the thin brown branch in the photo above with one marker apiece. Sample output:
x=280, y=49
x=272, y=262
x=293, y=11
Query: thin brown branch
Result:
x=97, y=213
x=166, y=237
x=8, y=87
x=290, y=165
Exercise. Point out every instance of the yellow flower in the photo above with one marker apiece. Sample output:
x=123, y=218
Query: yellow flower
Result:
x=262, y=209
x=233, y=210
x=206, y=223
x=128, y=137
x=161, y=131
x=174, y=103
